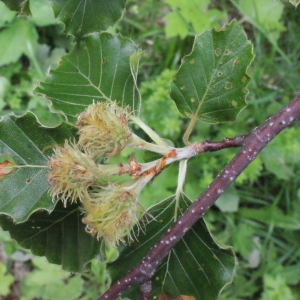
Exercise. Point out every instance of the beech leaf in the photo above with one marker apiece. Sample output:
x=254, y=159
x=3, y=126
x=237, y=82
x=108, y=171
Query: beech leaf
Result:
x=59, y=236
x=211, y=83
x=103, y=67
x=25, y=146
x=83, y=17
x=197, y=266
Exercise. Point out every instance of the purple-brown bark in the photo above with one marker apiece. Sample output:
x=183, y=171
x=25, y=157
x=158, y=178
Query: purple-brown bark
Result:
x=251, y=144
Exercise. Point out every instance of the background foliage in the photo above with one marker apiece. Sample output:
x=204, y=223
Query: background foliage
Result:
x=259, y=215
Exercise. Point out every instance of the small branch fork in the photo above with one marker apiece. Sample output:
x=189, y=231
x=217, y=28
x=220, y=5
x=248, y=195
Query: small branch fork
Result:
x=134, y=169
x=251, y=145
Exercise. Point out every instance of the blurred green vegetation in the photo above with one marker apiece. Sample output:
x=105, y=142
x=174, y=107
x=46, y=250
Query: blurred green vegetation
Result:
x=259, y=215
x=33, y=44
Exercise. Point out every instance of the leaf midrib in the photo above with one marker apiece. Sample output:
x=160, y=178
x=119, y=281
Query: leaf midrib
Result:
x=214, y=73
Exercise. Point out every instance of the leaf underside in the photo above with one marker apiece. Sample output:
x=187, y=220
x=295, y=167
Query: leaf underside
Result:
x=83, y=17
x=59, y=236
x=24, y=189
x=211, y=81
x=196, y=266
x=103, y=67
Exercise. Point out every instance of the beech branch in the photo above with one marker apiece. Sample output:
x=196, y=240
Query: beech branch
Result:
x=225, y=143
x=251, y=144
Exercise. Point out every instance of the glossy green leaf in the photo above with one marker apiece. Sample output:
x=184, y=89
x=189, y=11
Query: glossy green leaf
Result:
x=211, y=81
x=103, y=67
x=25, y=143
x=20, y=37
x=196, y=266
x=59, y=236
x=83, y=17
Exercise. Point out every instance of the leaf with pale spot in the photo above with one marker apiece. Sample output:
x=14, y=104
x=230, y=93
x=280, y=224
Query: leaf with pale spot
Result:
x=25, y=146
x=211, y=83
